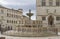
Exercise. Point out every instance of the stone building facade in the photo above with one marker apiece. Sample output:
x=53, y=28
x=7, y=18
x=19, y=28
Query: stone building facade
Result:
x=10, y=18
x=48, y=11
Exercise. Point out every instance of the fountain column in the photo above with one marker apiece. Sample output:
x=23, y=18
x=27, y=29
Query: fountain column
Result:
x=29, y=15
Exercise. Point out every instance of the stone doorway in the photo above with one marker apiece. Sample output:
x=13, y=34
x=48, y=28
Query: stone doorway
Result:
x=50, y=20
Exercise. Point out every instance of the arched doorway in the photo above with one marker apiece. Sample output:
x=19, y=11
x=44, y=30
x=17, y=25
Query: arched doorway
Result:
x=50, y=20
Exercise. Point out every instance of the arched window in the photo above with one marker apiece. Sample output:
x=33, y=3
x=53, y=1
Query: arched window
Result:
x=50, y=20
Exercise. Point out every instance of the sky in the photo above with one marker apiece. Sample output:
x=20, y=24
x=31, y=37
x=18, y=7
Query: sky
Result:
x=21, y=4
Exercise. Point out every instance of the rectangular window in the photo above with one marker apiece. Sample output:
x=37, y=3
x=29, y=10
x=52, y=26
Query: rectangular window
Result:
x=1, y=11
x=57, y=18
x=19, y=22
x=7, y=14
x=7, y=21
x=43, y=18
x=12, y=15
x=14, y=21
x=47, y=10
x=43, y=3
x=50, y=2
x=57, y=2
x=33, y=22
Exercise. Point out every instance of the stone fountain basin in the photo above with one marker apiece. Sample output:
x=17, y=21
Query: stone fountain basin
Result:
x=28, y=34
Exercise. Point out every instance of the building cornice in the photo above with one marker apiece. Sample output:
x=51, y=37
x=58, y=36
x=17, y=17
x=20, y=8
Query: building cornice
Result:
x=10, y=9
